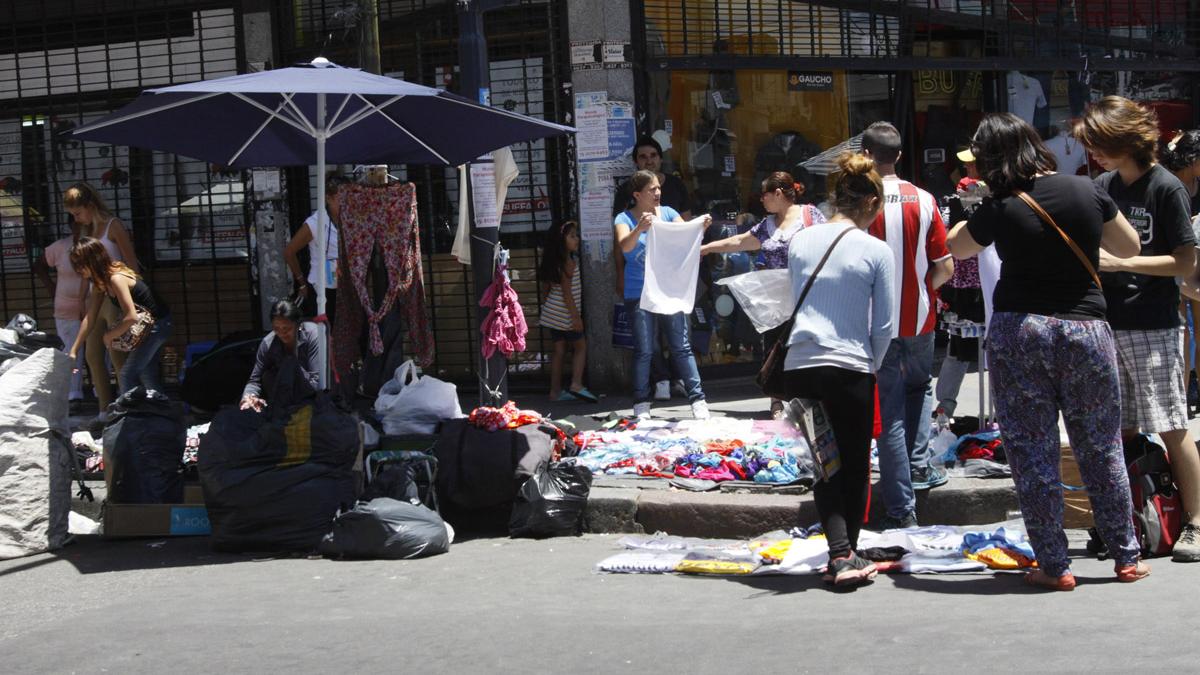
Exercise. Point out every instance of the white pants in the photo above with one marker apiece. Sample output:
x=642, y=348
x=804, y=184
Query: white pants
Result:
x=68, y=330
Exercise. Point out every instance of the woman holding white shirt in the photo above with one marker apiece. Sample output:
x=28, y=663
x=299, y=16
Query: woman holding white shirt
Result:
x=632, y=226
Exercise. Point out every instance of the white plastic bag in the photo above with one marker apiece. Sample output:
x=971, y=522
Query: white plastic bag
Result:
x=765, y=296
x=411, y=404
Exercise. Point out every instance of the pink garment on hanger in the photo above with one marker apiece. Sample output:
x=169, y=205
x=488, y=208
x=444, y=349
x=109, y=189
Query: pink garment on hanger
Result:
x=505, y=327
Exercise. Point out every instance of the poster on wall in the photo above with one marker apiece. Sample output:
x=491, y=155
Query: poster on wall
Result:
x=606, y=136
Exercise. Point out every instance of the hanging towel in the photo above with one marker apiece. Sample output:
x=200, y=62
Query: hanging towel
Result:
x=672, y=264
x=506, y=173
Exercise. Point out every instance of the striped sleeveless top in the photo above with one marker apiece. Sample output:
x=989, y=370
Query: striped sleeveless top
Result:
x=554, y=310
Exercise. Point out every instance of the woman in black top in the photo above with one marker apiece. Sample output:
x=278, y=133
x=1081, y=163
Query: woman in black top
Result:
x=127, y=291
x=1048, y=345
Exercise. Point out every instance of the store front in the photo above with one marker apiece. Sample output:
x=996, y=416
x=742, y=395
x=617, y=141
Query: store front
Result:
x=734, y=91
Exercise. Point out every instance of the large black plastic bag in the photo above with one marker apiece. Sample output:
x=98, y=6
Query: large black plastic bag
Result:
x=273, y=481
x=218, y=377
x=389, y=529
x=143, y=450
x=552, y=502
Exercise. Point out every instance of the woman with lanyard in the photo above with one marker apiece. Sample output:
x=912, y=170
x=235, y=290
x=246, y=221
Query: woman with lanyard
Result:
x=91, y=212
x=306, y=237
x=772, y=236
x=631, y=228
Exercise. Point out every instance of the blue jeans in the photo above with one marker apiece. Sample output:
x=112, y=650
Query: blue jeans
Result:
x=646, y=327
x=142, y=365
x=905, y=407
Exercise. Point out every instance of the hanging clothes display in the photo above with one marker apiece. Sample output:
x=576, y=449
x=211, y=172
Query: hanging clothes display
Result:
x=504, y=328
x=385, y=216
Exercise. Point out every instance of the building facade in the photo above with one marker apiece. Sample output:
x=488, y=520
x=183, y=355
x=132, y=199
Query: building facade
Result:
x=732, y=90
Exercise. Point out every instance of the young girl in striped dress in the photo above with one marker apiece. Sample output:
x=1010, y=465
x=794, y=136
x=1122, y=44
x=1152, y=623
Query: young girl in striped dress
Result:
x=560, y=310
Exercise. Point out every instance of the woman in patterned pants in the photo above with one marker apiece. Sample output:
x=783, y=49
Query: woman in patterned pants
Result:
x=1048, y=344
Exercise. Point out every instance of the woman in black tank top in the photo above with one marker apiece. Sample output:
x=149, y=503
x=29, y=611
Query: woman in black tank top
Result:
x=131, y=294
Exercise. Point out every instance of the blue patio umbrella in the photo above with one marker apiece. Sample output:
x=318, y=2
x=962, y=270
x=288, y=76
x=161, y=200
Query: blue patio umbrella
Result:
x=313, y=114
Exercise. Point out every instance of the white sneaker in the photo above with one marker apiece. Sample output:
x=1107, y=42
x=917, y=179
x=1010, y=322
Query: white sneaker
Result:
x=700, y=410
x=662, y=391
x=641, y=410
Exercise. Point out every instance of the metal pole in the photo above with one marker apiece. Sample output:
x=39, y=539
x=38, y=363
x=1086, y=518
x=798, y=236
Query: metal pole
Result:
x=320, y=264
x=474, y=84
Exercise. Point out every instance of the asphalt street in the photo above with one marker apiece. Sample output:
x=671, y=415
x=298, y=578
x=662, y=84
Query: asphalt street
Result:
x=520, y=606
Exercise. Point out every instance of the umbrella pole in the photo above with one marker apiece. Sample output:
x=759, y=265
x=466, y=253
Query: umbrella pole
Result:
x=321, y=263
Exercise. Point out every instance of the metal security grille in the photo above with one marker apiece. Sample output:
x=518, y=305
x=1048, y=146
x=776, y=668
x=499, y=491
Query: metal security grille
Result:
x=63, y=64
x=1101, y=35
x=418, y=42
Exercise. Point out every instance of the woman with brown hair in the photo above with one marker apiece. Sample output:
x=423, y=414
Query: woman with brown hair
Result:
x=771, y=237
x=127, y=292
x=95, y=219
x=836, y=342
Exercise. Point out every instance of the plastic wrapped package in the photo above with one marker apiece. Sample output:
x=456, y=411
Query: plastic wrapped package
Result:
x=670, y=542
x=719, y=562
x=765, y=296
x=414, y=404
x=641, y=562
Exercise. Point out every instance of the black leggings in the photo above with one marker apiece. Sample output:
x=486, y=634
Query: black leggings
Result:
x=849, y=398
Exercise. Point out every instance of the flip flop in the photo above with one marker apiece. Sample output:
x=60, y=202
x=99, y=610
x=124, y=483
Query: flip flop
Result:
x=584, y=395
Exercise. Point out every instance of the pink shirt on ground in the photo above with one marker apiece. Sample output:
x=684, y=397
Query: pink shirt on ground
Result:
x=69, y=289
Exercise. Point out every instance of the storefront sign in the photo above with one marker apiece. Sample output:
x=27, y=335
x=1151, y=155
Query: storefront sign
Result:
x=806, y=81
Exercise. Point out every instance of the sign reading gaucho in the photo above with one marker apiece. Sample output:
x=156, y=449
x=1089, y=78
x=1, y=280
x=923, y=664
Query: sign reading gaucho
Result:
x=806, y=81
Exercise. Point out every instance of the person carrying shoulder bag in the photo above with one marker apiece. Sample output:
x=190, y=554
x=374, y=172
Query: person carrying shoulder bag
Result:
x=843, y=279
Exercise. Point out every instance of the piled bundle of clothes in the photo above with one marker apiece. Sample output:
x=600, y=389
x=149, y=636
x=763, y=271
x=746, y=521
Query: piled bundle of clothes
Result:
x=734, y=450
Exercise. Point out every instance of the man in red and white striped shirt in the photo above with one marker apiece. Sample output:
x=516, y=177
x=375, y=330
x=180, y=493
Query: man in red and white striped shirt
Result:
x=912, y=226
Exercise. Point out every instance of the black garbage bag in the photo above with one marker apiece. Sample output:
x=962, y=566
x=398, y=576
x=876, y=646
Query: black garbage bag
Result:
x=218, y=377
x=144, y=439
x=273, y=481
x=389, y=529
x=552, y=502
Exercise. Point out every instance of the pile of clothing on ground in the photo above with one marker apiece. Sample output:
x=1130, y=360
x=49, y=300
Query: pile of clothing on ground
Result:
x=915, y=550
x=718, y=450
x=978, y=454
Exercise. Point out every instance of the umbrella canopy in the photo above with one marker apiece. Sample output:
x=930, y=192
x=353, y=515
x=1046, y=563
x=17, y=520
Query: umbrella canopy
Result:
x=313, y=114
x=825, y=162
x=276, y=117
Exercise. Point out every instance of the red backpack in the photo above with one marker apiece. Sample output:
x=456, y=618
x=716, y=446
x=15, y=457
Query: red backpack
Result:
x=1157, y=508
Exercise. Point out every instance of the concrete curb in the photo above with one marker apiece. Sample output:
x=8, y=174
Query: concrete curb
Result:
x=658, y=508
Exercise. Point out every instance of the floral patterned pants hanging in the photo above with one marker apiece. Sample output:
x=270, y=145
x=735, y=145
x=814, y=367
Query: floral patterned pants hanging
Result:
x=385, y=217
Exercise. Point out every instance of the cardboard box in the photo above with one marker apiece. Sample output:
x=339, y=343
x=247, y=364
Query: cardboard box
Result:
x=159, y=520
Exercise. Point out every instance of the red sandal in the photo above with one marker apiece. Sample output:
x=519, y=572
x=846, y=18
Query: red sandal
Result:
x=1042, y=580
x=1131, y=573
